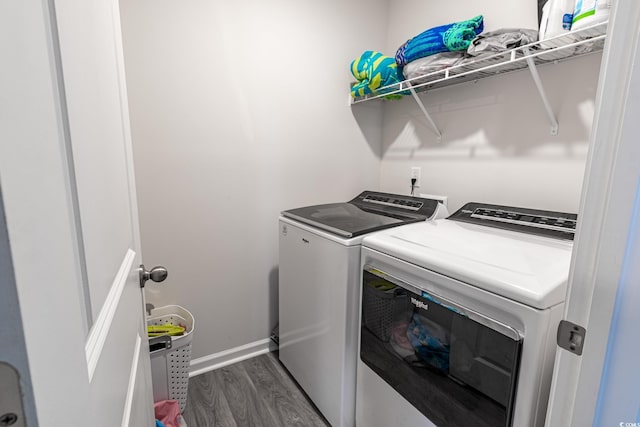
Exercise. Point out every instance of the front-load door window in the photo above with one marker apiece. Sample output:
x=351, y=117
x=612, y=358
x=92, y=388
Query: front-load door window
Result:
x=455, y=366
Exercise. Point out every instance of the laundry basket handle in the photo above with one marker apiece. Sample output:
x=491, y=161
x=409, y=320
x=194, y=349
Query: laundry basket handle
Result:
x=163, y=342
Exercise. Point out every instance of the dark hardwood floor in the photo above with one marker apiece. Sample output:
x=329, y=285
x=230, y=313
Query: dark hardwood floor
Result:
x=255, y=392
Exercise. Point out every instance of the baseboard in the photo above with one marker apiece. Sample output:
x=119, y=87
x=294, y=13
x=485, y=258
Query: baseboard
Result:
x=228, y=357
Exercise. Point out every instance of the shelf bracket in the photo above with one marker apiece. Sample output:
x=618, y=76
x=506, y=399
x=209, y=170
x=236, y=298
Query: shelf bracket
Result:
x=543, y=95
x=425, y=112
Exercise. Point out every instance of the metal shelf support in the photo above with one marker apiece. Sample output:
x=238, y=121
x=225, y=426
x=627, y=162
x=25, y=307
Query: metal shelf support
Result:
x=435, y=128
x=543, y=95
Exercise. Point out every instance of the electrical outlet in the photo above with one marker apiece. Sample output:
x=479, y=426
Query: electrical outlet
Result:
x=415, y=174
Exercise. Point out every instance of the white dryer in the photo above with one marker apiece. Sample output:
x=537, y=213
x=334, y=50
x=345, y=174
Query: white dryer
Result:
x=459, y=318
x=319, y=280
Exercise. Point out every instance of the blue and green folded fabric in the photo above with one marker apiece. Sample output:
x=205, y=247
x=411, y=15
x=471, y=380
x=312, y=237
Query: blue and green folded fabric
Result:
x=445, y=38
x=373, y=71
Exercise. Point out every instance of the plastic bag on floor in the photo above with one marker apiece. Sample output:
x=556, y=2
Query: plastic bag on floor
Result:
x=168, y=413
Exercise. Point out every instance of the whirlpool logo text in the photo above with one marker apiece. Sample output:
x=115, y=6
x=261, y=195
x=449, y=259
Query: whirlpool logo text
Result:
x=419, y=303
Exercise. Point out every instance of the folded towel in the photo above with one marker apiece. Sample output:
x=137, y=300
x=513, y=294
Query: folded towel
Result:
x=450, y=37
x=501, y=40
x=430, y=64
x=159, y=330
x=373, y=71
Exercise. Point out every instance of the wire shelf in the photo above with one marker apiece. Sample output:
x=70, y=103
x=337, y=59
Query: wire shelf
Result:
x=570, y=45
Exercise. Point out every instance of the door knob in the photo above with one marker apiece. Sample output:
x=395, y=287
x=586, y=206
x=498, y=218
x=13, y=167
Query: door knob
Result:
x=157, y=274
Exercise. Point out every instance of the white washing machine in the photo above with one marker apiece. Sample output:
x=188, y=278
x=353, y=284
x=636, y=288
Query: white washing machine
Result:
x=459, y=318
x=319, y=277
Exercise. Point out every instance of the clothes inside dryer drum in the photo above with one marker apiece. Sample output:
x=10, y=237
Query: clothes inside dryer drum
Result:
x=454, y=370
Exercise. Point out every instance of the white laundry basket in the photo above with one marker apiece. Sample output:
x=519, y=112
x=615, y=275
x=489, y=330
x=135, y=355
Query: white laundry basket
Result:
x=170, y=359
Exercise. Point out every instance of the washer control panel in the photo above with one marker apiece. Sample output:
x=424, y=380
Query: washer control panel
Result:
x=395, y=205
x=406, y=203
x=533, y=221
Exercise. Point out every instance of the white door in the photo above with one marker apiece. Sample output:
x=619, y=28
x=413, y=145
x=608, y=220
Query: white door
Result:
x=70, y=242
x=600, y=387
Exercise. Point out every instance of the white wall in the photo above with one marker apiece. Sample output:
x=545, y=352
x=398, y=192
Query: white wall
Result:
x=497, y=145
x=239, y=111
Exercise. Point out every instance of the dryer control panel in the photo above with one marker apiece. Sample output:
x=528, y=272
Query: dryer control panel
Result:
x=533, y=221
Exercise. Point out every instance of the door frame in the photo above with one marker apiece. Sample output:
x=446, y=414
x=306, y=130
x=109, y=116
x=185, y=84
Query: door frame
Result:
x=606, y=233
